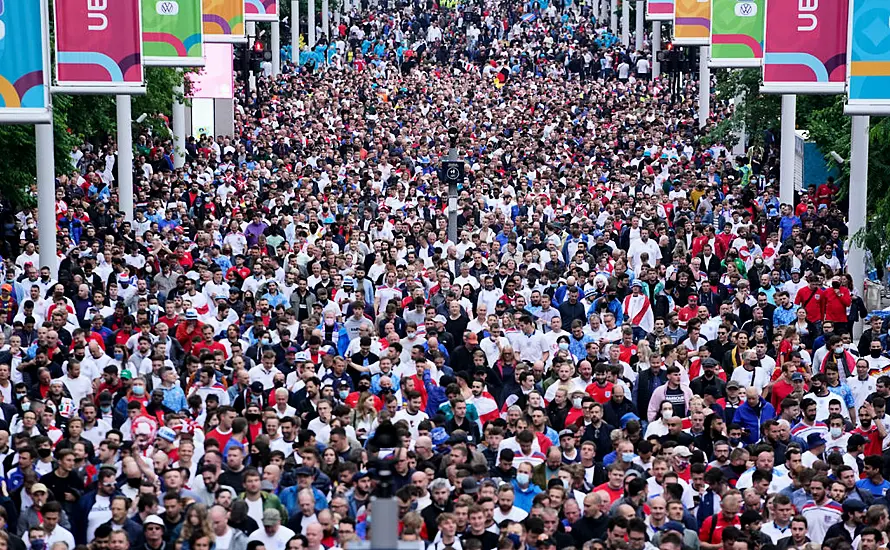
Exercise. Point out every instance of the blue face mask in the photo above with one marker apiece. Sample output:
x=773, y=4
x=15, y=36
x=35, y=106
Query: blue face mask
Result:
x=627, y=457
x=119, y=356
x=523, y=479
x=138, y=390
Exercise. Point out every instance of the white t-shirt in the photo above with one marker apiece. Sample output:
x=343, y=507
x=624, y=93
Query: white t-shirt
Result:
x=99, y=514
x=254, y=507
x=278, y=541
x=412, y=420
x=759, y=378
x=514, y=514
x=223, y=542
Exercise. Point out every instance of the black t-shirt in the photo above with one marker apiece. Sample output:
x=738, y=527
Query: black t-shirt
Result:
x=488, y=539
x=676, y=398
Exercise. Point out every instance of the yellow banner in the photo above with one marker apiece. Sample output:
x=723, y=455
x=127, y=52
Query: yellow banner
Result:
x=692, y=22
x=224, y=21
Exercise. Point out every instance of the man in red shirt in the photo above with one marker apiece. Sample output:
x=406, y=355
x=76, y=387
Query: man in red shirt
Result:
x=600, y=390
x=223, y=431
x=711, y=532
x=835, y=302
x=208, y=343
x=810, y=298
x=871, y=428
x=615, y=486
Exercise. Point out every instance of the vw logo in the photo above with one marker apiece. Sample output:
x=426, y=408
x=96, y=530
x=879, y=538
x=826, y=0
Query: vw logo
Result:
x=167, y=7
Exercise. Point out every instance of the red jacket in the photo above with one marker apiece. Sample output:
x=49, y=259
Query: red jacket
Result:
x=835, y=304
x=814, y=305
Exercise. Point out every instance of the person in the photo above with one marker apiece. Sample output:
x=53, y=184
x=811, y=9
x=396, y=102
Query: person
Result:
x=625, y=300
x=274, y=535
x=820, y=512
x=711, y=530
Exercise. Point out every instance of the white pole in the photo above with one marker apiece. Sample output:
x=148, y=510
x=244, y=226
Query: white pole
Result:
x=858, y=196
x=625, y=23
x=640, y=32
x=326, y=19
x=179, y=127
x=786, y=159
x=276, y=48
x=337, y=15
x=46, y=197
x=742, y=146
x=251, y=40
x=704, y=87
x=125, y=155
x=613, y=17
x=656, y=48
x=311, y=23
x=295, y=32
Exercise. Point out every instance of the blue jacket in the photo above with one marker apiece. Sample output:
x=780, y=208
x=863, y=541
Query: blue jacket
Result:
x=751, y=420
x=80, y=517
x=524, y=497
x=435, y=395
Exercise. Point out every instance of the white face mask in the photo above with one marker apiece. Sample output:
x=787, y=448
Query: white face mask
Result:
x=667, y=415
x=576, y=402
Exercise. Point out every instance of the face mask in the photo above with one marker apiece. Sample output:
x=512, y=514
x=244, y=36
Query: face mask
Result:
x=153, y=307
x=733, y=441
x=105, y=409
x=138, y=390
x=839, y=350
x=667, y=415
x=576, y=402
x=522, y=479
x=119, y=356
x=344, y=394
x=278, y=383
x=134, y=482
x=740, y=468
x=265, y=341
x=567, y=484
x=411, y=336
x=252, y=417
x=26, y=407
x=836, y=432
x=44, y=453
x=875, y=353
x=21, y=396
x=38, y=544
x=627, y=457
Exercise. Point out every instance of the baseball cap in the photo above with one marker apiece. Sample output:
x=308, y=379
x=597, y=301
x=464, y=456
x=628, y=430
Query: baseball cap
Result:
x=38, y=488
x=191, y=314
x=682, y=451
x=797, y=377
x=271, y=517
x=153, y=519
x=440, y=319
x=469, y=486
x=167, y=434
x=732, y=384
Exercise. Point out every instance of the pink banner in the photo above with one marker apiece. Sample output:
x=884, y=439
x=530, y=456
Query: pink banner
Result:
x=261, y=10
x=216, y=79
x=98, y=43
x=805, y=47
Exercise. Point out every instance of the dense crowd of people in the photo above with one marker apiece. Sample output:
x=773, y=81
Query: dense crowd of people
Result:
x=630, y=344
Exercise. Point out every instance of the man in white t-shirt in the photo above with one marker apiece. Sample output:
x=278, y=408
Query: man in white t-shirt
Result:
x=411, y=413
x=273, y=535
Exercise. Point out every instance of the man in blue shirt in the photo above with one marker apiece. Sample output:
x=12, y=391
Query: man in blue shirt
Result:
x=874, y=481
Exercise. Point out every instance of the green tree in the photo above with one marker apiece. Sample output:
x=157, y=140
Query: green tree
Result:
x=79, y=118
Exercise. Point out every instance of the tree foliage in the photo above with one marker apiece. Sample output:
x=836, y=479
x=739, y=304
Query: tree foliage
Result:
x=77, y=119
x=824, y=119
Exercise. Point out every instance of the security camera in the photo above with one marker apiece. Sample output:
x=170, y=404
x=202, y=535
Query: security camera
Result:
x=141, y=118
x=837, y=158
